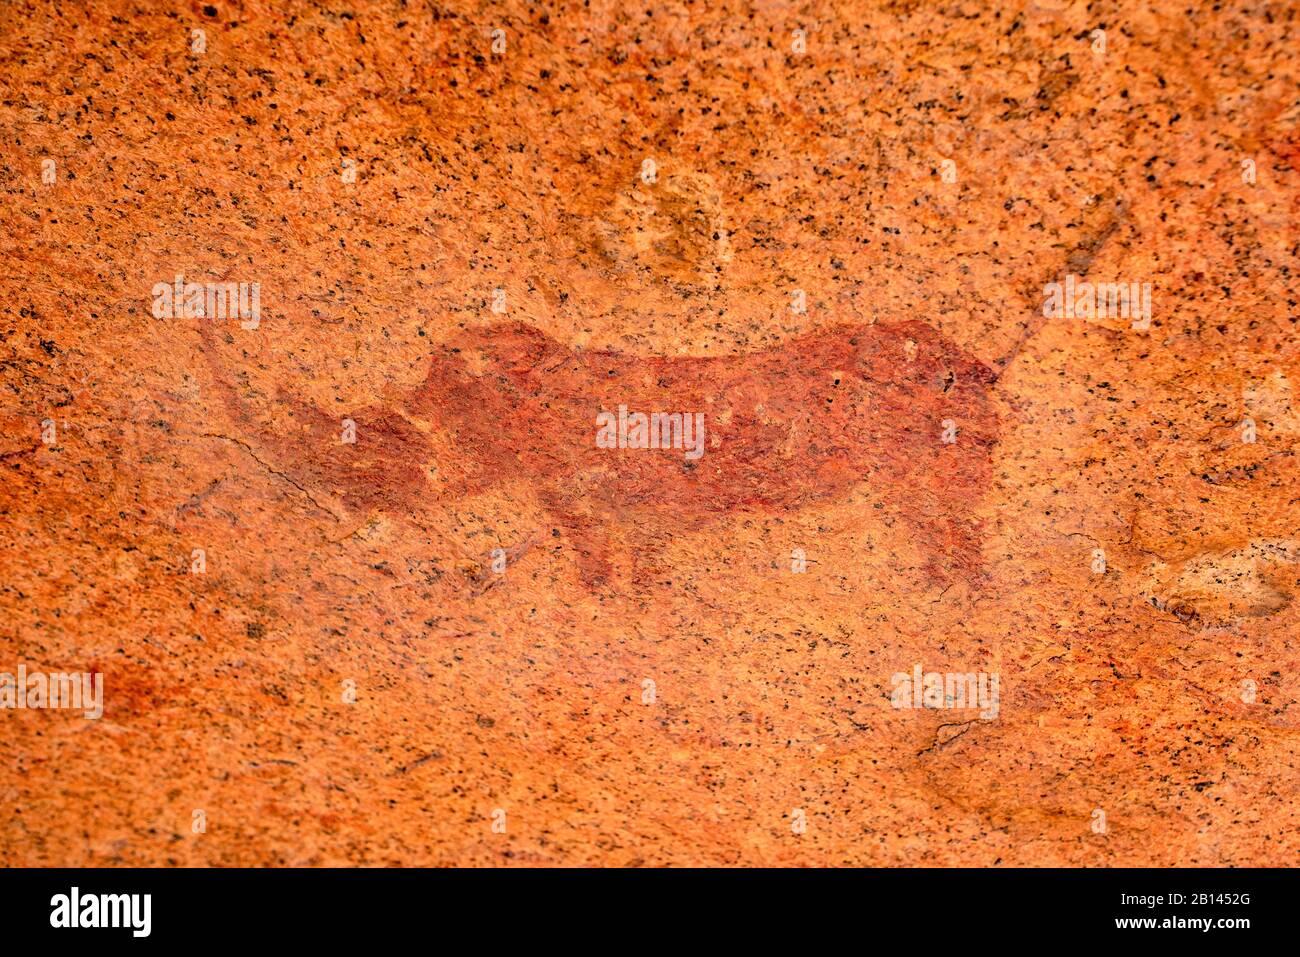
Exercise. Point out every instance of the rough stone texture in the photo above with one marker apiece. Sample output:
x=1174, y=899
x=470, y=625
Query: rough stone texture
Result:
x=776, y=172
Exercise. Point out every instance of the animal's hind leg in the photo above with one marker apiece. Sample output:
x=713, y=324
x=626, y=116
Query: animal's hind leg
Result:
x=952, y=547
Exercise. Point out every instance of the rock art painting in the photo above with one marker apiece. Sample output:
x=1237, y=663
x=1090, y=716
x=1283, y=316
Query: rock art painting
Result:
x=773, y=430
x=713, y=434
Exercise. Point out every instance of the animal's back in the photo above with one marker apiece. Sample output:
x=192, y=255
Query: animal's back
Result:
x=801, y=421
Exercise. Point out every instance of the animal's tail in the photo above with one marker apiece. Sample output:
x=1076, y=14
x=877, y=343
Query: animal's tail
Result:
x=1078, y=261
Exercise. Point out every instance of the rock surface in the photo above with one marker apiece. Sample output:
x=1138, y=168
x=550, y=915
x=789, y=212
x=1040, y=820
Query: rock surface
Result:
x=360, y=585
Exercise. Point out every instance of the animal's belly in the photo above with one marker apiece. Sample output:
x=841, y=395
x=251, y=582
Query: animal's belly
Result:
x=743, y=459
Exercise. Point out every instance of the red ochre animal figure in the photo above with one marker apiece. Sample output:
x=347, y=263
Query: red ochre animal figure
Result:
x=894, y=407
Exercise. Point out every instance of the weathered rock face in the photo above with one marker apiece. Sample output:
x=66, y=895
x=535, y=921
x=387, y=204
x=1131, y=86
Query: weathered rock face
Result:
x=367, y=578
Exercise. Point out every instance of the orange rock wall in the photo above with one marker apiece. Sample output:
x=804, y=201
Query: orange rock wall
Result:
x=474, y=637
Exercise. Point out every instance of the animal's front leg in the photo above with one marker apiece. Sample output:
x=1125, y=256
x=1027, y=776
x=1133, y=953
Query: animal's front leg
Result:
x=589, y=534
